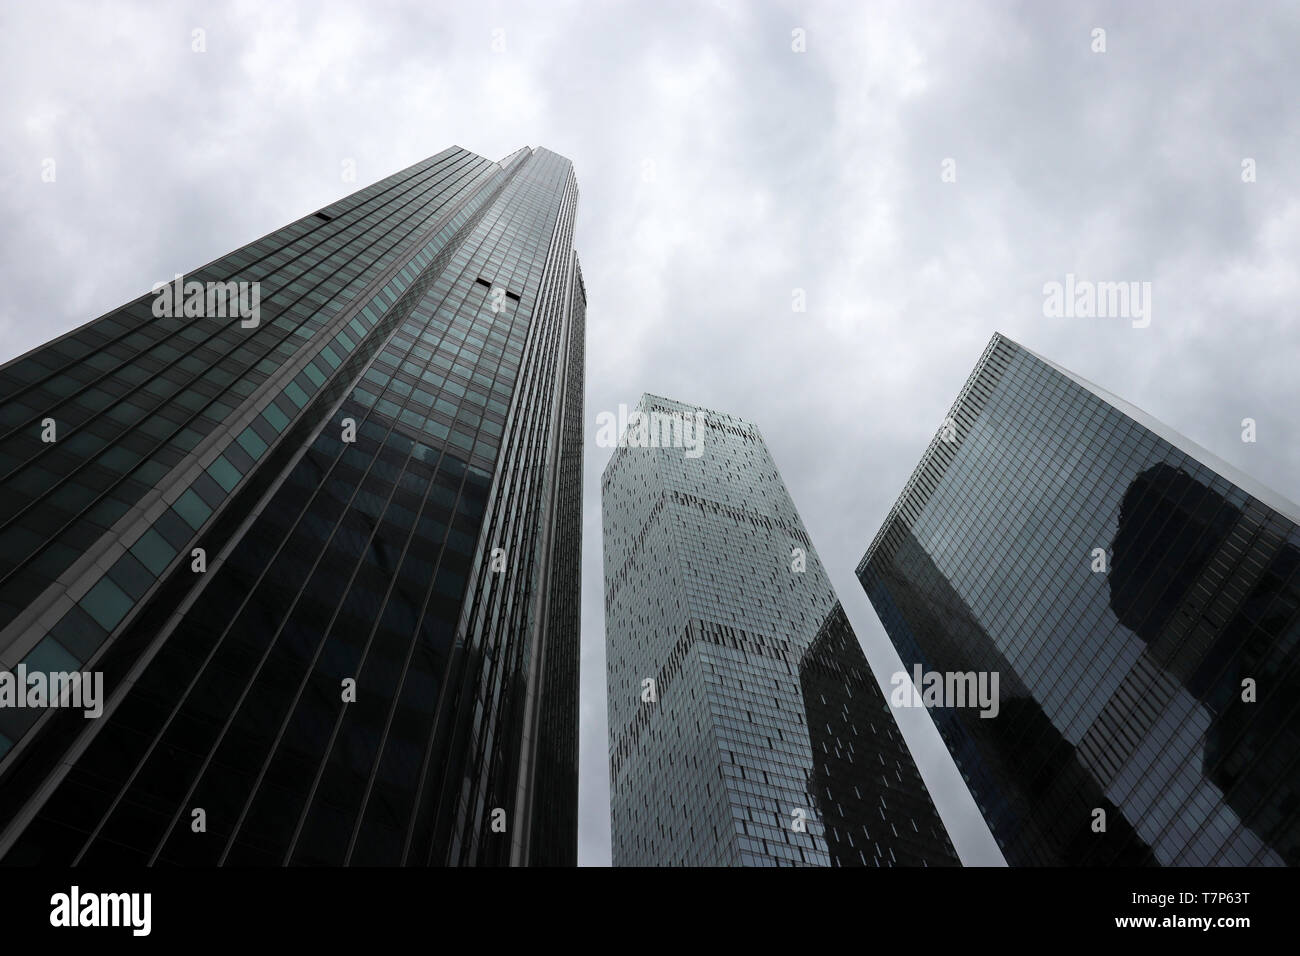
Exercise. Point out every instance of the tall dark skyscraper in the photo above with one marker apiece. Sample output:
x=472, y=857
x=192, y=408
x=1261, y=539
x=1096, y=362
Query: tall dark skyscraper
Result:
x=1141, y=601
x=313, y=512
x=745, y=726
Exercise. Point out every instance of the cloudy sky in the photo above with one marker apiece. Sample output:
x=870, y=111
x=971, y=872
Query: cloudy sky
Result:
x=720, y=171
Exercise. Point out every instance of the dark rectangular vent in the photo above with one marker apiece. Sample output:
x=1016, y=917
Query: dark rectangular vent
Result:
x=322, y=217
x=481, y=281
x=511, y=295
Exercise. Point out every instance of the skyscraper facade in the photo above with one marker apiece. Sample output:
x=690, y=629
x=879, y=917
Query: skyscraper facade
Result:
x=1140, y=600
x=745, y=727
x=311, y=512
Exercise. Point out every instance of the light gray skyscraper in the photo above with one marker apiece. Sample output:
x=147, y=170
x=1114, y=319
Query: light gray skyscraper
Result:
x=745, y=727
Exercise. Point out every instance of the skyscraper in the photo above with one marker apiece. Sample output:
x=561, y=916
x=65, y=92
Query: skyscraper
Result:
x=1141, y=601
x=745, y=727
x=312, y=512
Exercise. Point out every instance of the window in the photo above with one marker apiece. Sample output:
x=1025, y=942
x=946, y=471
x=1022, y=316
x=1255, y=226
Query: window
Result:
x=153, y=551
x=106, y=603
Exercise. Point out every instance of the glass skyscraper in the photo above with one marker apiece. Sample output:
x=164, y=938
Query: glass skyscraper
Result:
x=1140, y=600
x=323, y=547
x=745, y=726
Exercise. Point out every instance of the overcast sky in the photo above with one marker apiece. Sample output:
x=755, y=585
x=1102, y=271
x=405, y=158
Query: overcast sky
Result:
x=721, y=170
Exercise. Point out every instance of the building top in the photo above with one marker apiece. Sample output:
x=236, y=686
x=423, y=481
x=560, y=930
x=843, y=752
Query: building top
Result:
x=651, y=402
x=1268, y=496
x=925, y=475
